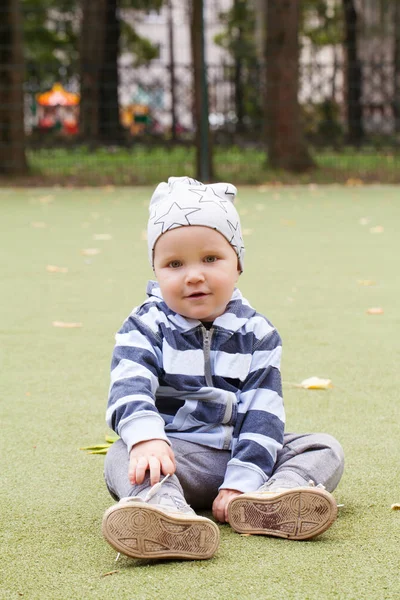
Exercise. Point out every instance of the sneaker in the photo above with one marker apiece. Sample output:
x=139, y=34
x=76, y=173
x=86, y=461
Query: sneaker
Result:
x=297, y=513
x=165, y=528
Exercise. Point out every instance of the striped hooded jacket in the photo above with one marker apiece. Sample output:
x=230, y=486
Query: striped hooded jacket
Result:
x=219, y=387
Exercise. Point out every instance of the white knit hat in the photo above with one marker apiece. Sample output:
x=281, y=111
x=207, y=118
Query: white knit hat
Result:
x=184, y=201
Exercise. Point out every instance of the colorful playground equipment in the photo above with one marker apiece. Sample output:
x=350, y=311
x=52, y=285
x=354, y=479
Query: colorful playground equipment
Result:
x=58, y=110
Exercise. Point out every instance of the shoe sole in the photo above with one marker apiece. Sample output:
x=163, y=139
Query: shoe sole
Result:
x=146, y=532
x=296, y=514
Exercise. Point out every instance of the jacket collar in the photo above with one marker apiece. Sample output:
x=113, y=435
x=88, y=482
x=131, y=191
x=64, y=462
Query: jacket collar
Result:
x=229, y=321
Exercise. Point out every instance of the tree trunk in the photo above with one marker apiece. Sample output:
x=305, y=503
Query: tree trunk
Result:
x=283, y=128
x=353, y=75
x=12, y=134
x=91, y=62
x=204, y=166
x=110, y=127
x=396, y=63
x=99, y=47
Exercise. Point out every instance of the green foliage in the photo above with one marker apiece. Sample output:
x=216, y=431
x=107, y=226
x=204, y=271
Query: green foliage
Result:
x=322, y=22
x=50, y=35
x=141, y=48
x=238, y=40
x=238, y=37
x=142, y=4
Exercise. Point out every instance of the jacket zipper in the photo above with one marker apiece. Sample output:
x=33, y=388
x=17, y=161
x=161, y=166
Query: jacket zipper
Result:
x=207, y=335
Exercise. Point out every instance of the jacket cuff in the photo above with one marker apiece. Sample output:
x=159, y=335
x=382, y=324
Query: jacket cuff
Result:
x=244, y=478
x=142, y=429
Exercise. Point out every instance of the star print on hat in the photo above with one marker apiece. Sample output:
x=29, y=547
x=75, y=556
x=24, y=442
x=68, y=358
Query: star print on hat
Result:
x=184, y=201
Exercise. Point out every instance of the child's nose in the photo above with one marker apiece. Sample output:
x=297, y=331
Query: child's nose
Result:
x=194, y=275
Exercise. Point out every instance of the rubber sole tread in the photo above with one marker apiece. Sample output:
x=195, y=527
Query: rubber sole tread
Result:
x=144, y=531
x=296, y=514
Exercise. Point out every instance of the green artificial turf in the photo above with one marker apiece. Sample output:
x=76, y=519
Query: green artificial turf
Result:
x=307, y=250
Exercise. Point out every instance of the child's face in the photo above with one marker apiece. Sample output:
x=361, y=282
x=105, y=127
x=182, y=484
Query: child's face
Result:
x=197, y=270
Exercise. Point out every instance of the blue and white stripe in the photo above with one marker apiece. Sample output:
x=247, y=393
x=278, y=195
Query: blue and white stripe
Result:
x=159, y=387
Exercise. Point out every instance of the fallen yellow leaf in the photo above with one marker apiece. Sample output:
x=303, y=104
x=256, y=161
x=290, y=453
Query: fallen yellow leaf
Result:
x=375, y=311
x=377, y=229
x=38, y=224
x=66, y=325
x=102, y=236
x=315, y=383
x=395, y=506
x=55, y=269
x=366, y=282
x=90, y=251
x=111, y=438
x=353, y=182
x=97, y=447
x=46, y=199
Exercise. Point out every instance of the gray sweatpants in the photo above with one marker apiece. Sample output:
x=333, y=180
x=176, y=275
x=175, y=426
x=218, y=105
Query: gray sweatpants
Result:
x=200, y=470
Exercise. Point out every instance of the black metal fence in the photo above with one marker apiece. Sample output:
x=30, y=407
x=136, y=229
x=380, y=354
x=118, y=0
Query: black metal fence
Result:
x=235, y=107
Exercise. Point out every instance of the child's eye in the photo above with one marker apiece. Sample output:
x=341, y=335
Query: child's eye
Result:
x=210, y=259
x=174, y=264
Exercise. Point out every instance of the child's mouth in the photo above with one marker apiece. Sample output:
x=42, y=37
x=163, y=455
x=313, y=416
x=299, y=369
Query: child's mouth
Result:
x=197, y=295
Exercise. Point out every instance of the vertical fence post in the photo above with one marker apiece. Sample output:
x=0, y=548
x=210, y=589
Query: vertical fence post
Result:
x=204, y=123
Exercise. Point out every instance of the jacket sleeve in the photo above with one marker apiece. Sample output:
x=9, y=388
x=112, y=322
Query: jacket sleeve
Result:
x=135, y=368
x=259, y=428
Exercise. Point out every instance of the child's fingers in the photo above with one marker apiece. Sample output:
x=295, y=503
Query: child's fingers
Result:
x=168, y=466
x=132, y=470
x=154, y=468
x=141, y=467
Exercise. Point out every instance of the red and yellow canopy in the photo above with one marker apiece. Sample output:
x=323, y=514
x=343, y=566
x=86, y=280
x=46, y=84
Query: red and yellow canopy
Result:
x=57, y=96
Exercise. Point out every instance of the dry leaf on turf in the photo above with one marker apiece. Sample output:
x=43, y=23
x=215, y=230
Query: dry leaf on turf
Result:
x=354, y=182
x=111, y=438
x=366, y=282
x=46, y=199
x=90, y=251
x=377, y=229
x=38, y=224
x=315, y=383
x=55, y=269
x=98, y=447
x=395, y=506
x=66, y=325
x=102, y=236
x=376, y=310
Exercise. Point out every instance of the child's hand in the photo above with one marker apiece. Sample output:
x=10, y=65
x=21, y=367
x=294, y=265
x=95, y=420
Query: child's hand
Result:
x=155, y=456
x=220, y=504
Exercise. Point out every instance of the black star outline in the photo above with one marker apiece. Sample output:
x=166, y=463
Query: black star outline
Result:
x=220, y=202
x=185, y=212
x=198, y=191
x=239, y=249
